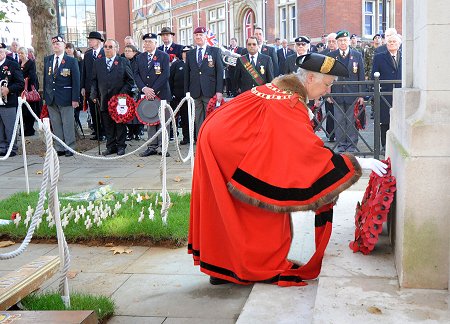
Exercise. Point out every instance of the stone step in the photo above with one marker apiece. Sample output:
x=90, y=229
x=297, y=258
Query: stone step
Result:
x=16, y=285
x=46, y=317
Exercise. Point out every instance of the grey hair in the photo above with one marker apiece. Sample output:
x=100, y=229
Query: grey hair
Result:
x=302, y=73
x=116, y=43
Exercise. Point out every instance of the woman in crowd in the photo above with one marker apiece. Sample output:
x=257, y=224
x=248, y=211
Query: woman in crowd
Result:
x=29, y=74
x=134, y=126
x=71, y=51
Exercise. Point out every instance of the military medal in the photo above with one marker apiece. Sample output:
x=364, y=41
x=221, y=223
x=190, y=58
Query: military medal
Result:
x=261, y=69
x=157, y=67
x=355, y=67
x=210, y=61
x=49, y=70
x=65, y=72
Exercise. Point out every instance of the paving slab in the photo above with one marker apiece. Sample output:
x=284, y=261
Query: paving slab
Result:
x=136, y=320
x=32, y=252
x=196, y=320
x=180, y=296
x=367, y=300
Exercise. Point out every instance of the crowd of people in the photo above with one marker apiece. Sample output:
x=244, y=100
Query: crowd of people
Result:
x=167, y=71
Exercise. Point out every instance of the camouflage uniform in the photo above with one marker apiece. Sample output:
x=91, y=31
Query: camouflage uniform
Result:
x=368, y=59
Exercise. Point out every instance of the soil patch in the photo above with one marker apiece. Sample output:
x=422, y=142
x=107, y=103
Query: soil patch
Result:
x=36, y=146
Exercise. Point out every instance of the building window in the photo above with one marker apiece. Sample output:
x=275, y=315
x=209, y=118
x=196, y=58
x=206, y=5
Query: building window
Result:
x=216, y=22
x=373, y=17
x=185, y=31
x=137, y=4
x=287, y=18
x=76, y=19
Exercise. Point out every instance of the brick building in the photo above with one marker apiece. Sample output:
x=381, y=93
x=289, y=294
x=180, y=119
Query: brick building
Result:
x=279, y=18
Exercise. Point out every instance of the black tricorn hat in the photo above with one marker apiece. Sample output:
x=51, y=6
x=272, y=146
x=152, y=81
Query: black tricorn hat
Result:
x=316, y=62
x=96, y=35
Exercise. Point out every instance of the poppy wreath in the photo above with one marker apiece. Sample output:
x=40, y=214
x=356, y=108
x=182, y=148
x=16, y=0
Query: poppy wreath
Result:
x=372, y=212
x=211, y=106
x=317, y=119
x=112, y=108
x=359, y=111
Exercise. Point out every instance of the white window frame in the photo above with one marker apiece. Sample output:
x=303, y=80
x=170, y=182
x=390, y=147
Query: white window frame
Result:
x=185, y=30
x=376, y=17
x=216, y=22
x=287, y=25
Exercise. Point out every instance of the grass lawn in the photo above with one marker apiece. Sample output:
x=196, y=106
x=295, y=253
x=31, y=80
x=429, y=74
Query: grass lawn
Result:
x=103, y=306
x=137, y=219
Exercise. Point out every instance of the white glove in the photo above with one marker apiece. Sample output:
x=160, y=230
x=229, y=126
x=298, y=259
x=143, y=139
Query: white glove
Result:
x=372, y=164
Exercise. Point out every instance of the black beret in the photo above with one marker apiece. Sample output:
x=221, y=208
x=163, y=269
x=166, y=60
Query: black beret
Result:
x=304, y=39
x=353, y=35
x=149, y=35
x=342, y=33
x=316, y=62
x=373, y=38
x=57, y=38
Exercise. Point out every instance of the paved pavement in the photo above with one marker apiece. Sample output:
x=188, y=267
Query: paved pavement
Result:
x=161, y=285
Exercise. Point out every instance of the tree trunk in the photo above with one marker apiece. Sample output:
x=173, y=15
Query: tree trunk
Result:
x=43, y=28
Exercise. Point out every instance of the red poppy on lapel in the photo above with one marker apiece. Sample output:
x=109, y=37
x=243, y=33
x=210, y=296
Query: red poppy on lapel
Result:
x=264, y=49
x=99, y=55
x=5, y=67
x=116, y=62
x=170, y=48
x=205, y=56
x=62, y=61
x=154, y=58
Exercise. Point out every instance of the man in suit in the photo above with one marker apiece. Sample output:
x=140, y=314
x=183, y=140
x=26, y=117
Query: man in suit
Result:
x=389, y=65
x=10, y=71
x=253, y=69
x=151, y=74
x=267, y=50
x=62, y=93
x=302, y=44
x=331, y=44
x=15, y=52
x=203, y=76
x=230, y=69
x=387, y=33
x=168, y=45
x=283, y=54
x=111, y=75
x=346, y=132
x=95, y=42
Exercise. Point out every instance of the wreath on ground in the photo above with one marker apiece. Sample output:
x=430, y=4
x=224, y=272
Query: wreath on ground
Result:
x=120, y=112
x=372, y=212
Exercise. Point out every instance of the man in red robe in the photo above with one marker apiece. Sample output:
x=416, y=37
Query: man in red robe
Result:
x=257, y=160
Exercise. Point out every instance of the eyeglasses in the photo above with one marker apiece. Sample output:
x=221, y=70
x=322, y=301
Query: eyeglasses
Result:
x=301, y=44
x=109, y=46
x=252, y=44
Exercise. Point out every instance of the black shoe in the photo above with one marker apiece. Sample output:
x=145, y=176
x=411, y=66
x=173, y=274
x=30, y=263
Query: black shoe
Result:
x=121, y=151
x=167, y=154
x=12, y=154
x=148, y=152
x=184, y=142
x=129, y=138
x=61, y=153
x=109, y=151
x=217, y=281
x=68, y=154
x=331, y=140
x=2, y=153
x=137, y=137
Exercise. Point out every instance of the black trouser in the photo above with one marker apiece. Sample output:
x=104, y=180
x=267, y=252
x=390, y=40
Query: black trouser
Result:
x=329, y=112
x=116, y=133
x=134, y=129
x=28, y=119
x=383, y=129
x=95, y=117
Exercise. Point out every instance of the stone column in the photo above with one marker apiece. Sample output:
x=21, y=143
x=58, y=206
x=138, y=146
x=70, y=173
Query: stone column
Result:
x=419, y=146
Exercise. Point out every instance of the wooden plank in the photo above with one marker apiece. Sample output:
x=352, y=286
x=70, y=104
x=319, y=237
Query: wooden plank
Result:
x=16, y=285
x=48, y=317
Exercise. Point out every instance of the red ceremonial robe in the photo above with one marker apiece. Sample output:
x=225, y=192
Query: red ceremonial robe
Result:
x=258, y=159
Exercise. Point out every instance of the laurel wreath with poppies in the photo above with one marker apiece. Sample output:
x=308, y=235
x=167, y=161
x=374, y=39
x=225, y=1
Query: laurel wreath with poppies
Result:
x=112, y=108
x=372, y=212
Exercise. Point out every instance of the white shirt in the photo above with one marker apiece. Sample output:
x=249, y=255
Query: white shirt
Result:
x=2, y=62
x=60, y=58
x=345, y=52
x=255, y=57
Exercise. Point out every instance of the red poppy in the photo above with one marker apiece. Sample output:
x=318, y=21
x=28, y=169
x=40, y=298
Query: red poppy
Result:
x=5, y=67
x=99, y=55
x=116, y=62
x=170, y=48
x=154, y=58
x=13, y=215
x=62, y=61
x=205, y=56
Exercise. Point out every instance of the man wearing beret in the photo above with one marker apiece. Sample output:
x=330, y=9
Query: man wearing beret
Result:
x=345, y=130
x=369, y=53
x=168, y=45
x=257, y=160
x=354, y=44
x=151, y=74
x=95, y=51
x=11, y=72
x=62, y=94
x=111, y=75
x=253, y=69
x=203, y=75
x=302, y=44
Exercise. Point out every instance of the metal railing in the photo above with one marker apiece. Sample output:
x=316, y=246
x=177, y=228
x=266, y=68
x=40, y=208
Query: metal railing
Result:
x=368, y=141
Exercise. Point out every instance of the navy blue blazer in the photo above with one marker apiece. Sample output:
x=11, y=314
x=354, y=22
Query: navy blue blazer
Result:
x=384, y=64
x=282, y=59
x=10, y=70
x=156, y=76
x=264, y=67
x=355, y=66
x=270, y=51
x=176, y=49
x=86, y=73
x=289, y=65
x=206, y=79
x=62, y=87
x=106, y=84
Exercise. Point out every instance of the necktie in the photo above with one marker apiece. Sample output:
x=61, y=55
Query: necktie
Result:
x=109, y=64
x=252, y=60
x=149, y=57
x=395, y=61
x=95, y=55
x=17, y=58
x=165, y=49
x=343, y=54
x=55, y=69
x=199, y=56
x=285, y=53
